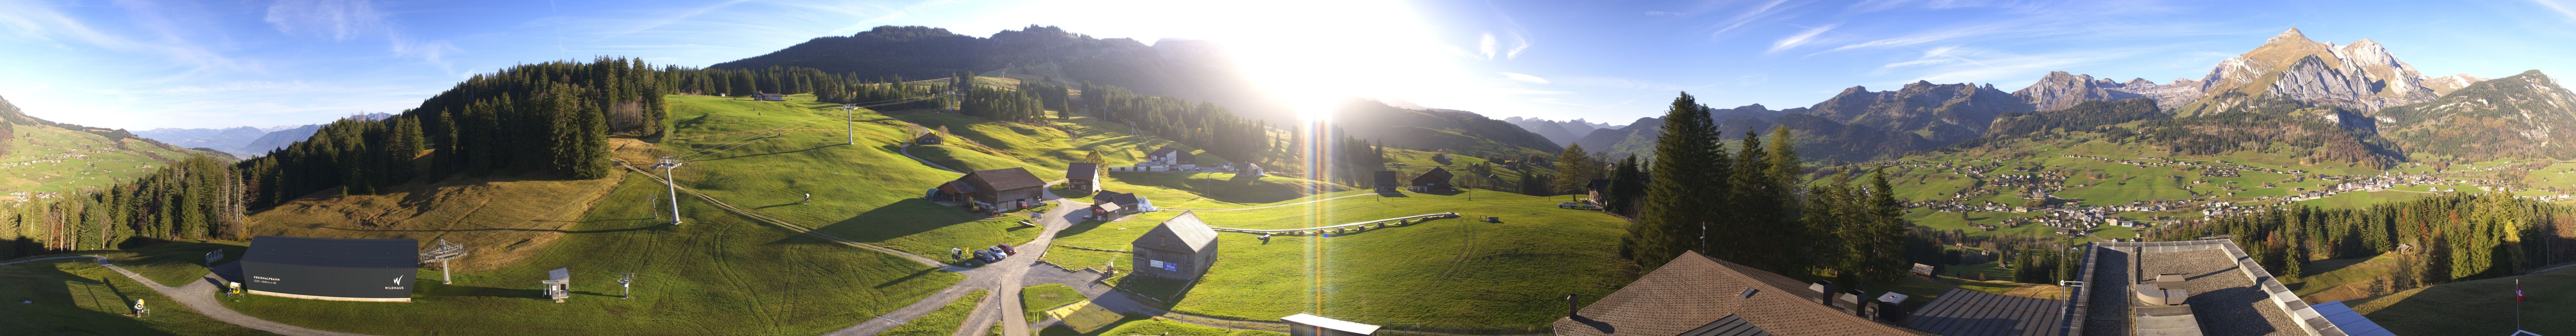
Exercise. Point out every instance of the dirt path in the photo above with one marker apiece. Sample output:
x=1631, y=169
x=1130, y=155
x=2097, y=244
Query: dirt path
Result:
x=200, y=296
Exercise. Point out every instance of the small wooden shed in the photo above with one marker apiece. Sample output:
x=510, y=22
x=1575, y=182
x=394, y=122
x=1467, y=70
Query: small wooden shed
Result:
x=1078, y=176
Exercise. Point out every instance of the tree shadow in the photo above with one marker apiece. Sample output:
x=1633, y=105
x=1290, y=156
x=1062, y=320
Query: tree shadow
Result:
x=902, y=218
x=56, y=310
x=907, y=277
x=433, y=288
x=1079, y=228
x=774, y=153
x=661, y=225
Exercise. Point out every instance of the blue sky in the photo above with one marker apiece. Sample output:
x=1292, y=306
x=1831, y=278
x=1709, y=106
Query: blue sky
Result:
x=141, y=64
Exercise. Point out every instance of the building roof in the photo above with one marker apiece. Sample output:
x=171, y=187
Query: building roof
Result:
x=1598, y=184
x=1436, y=175
x=1922, y=269
x=2352, y=322
x=1122, y=199
x=1081, y=170
x=1330, y=323
x=1729, y=326
x=1106, y=206
x=1386, y=178
x=1183, y=234
x=2230, y=293
x=1962, y=312
x=559, y=274
x=1164, y=151
x=333, y=252
x=1694, y=291
x=1003, y=179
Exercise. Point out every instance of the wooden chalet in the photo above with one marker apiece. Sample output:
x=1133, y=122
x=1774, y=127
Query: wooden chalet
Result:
x=1007, y=189
x=1387, y=182
x=1434, y=181
x=926, y=138
x=1180, y=248
x=1078, y=176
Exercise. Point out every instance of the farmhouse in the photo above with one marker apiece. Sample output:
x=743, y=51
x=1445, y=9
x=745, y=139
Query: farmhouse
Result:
x=926, y=138
x=1698, y=295
x=1595, y=189
x=1007, y=189
x=1171, y=158
x=1434, y=181
x=331, y=269
x=1127, y=203
x=768, y=97
x=1107, y=211
x=1181, y=248
x=1079, y=175
x=1387, y=182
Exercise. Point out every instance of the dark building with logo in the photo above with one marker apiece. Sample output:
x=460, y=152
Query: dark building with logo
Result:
x=1181, y=248
x=331, y=269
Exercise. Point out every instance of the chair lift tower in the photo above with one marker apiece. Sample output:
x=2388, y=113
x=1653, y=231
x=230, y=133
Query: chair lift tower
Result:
x=853, y=124
x=627, y=285
x=666, y=165
x=441, y=252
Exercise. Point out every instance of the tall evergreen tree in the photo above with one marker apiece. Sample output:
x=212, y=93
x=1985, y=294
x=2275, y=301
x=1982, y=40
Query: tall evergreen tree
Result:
x=1687, y=189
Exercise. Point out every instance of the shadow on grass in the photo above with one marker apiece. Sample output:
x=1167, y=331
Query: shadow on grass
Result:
x=435, y=289
x=774, y=153
x=903, y=218
x=57, y=311
x=640, y=228
x=907, y=277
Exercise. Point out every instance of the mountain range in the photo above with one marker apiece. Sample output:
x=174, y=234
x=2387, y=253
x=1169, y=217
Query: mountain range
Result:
x=242, y=141
x=2361, y=88
x=1193, y=69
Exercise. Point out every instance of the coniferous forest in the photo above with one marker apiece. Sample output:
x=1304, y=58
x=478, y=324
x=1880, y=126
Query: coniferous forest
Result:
x=1747, y=205
x=2450, y=237
x=547, y=120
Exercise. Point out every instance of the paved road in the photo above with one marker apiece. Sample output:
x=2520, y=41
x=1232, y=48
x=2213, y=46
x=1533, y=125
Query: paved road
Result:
x=200, y=296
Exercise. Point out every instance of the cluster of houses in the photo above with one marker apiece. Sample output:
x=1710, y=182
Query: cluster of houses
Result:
x=1434, y=181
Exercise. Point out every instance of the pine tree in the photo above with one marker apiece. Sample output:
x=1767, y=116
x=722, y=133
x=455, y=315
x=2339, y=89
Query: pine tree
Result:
x=1688, y=180
x=1574, y=171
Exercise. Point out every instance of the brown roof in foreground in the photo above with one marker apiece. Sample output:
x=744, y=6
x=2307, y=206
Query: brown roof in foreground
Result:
x=1694, y=290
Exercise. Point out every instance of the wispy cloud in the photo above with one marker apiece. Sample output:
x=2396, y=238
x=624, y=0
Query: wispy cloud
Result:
x=1801, y=38
x=338, y=20
x=1524, y=77
x=44, y=23
x=2557, y=6
x=1757, y=12
x=1954, y=64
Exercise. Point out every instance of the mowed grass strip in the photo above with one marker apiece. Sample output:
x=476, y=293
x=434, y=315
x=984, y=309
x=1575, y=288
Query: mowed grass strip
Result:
x=944, y=321
x=1134, y=325
x=716, y=274
x=78, y=297
x=1450, y=274
x=1036, y=300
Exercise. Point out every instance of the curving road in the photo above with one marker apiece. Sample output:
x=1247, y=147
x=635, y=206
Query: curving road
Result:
x=200, y=296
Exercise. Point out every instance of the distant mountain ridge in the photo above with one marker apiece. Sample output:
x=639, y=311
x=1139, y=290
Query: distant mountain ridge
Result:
x=1462, y=132
x=1857, y=124
x=1561, y=132
x=242, y=141
x=1192, y=69
x=2524, y=115
x=2363, y=76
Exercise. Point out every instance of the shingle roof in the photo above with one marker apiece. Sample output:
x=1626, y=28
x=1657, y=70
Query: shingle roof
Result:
x=1122, y=199
x=1961, y=312
x=1693, y=291
x=1729, y=326
x=1004, y=179
x=1081, y=170
x=330, y=252
x=1183, y=234
x=1436, y=175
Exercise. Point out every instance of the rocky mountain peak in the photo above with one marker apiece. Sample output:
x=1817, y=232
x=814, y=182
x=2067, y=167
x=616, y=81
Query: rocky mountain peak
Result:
x=2445, y=84
x=2288, y=36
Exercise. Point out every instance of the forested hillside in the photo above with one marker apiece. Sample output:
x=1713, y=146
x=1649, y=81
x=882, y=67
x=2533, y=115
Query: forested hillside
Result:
x=538, y=121
x=2447, y=238
x=1171, y=67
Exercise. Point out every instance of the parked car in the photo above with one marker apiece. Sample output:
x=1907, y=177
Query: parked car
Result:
x=985, y=257
x=997, y=252
x=1573, y=205
x=1006, y=248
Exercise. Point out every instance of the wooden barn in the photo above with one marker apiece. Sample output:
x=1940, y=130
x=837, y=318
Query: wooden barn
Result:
x=1007, y=189
x=1078, y=176
x=1387, y=182
x=768, y=97
x=926, y=138
x=1434, y=181
x=1180, y=248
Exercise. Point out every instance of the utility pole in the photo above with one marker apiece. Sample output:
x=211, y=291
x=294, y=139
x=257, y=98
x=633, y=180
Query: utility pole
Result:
x=667, y=164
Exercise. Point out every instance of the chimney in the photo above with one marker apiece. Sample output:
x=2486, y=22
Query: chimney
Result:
x=2137, y=263
x=1824, y=291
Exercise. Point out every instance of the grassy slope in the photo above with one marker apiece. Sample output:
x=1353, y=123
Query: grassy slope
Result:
x=869, y=192
x=2340, y=279
x=717, y=274
x=2482, y=307
x=500, y=220
x=54, y=160
x=943, y=321
x=1036, y=300
x=174, y=264
x=1455, y=274
x=1134, y=325
x=1045, y=148
x=77, y=297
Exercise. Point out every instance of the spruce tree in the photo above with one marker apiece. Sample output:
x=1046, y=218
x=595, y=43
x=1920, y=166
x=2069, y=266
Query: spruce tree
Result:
x=1686, y=189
